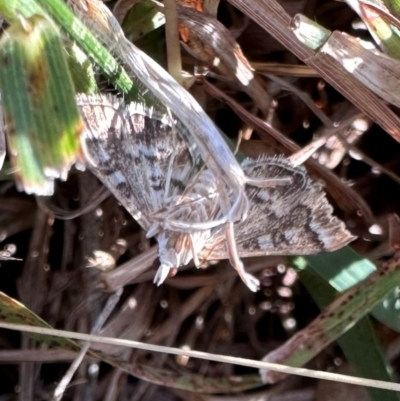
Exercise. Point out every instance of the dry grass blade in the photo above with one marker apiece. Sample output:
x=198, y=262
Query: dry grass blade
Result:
x=207, y=356
x=172, y=39
x=222, y=53
x=375, y=70
x=274, y=19
x=284, y=69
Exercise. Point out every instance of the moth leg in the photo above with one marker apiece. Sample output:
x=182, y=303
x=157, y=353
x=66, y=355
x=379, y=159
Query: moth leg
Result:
x=248, y=279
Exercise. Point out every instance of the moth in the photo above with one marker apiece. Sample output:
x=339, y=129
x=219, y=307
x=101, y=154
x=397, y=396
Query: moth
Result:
x=164, y=90
x=146, y=161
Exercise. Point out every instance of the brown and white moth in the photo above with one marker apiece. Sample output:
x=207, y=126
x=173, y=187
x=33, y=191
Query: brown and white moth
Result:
x=145, y=160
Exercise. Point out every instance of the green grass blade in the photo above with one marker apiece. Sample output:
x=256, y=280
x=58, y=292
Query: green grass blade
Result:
x=142, y=19
x=386, y=35
x=81, y=69
x=41, y=116
x=342, y=269
x=338, y=318
x=359, y=344
x=345, y=268
x=12, y=10
x=65, y=19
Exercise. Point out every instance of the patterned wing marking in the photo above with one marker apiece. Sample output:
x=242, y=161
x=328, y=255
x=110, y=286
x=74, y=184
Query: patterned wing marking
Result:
x=293, y=219
x=136, y=153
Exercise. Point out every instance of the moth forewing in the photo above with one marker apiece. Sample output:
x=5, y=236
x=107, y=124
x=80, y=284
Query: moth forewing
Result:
x=293, y=219
x=132, y=150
